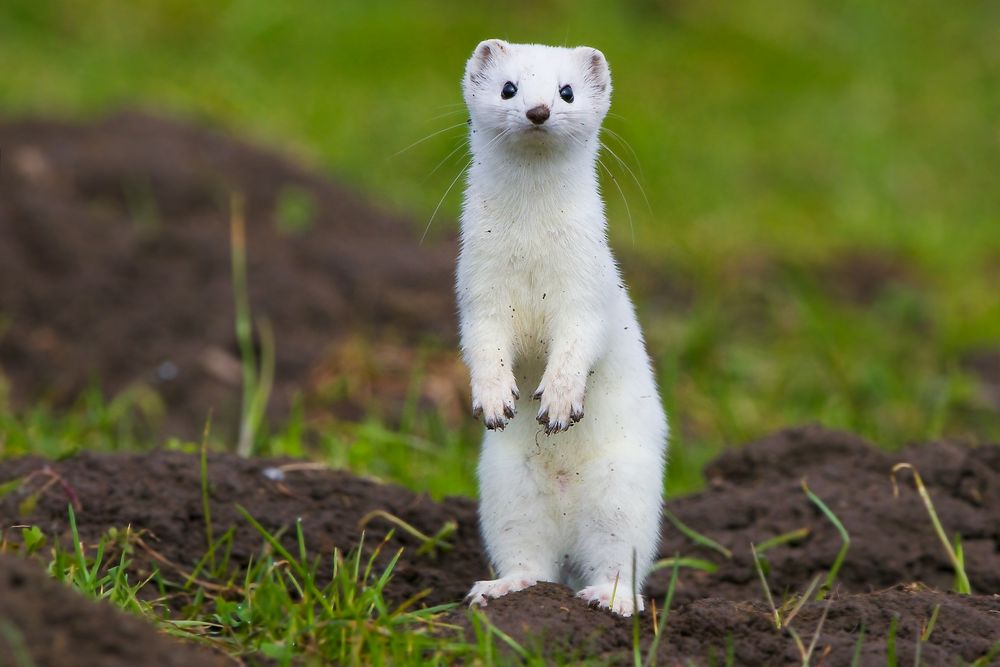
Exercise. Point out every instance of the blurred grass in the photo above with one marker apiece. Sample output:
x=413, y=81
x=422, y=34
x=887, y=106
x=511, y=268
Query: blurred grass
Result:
x=823, y=236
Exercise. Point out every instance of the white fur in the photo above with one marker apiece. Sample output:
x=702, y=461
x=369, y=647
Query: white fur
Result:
x=542, y=305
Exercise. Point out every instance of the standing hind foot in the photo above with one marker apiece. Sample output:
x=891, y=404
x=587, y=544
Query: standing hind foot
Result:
x=623, y=604
x=495, y=588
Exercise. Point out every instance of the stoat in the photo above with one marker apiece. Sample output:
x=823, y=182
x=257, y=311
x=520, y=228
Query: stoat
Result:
x=573, y=493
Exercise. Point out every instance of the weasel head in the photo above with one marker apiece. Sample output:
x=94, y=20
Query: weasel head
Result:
x=532, y=96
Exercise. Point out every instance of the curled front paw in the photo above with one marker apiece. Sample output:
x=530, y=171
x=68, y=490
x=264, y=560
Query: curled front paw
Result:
x=494, y=402
x=495, y=588
x=606, y=596
x=561, y=403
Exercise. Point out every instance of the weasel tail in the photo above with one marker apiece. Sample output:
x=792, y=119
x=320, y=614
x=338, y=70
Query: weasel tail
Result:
x=572, y=463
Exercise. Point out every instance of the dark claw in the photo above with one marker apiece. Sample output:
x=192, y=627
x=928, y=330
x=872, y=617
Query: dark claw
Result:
x=555, y=427
x=515, y=393
x=477, y=410
x=576, y=414
x=538, y=393
x=494, y=424
x=543, y=418
x=508, y=410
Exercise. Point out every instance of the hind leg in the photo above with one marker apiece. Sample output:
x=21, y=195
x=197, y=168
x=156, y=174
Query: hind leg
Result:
x=521, y=538
x=616, y=539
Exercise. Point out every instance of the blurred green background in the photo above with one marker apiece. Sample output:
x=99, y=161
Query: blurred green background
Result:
x=822, y=235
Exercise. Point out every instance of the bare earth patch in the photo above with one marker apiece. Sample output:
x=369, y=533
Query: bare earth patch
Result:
x=50, y=625
x=115, y=270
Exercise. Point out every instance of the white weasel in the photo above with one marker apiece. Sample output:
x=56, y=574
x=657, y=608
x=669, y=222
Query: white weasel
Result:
x=542, y=304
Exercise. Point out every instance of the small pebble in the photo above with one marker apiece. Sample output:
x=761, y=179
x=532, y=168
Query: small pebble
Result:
x=167, y=371
x=274, y=474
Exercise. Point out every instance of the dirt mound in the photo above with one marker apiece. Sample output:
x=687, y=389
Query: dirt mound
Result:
x=705, y=630
x=46, y=624
x=159, y=494
x=114, y=267
x=895, y=566
x=755, y=494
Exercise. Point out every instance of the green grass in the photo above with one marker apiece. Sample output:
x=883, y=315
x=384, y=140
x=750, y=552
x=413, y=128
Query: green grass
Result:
x=276, y=608
x=954, y=551
x=845, y=541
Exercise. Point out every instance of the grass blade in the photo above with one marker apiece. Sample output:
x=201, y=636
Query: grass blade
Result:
x=844, y=537
x=961, y=578
x=785, y=538
x=697, y=537
x=858, y=645
x=767, y=589
x=206, y=507
x=987, y=659
x=683, y=561
x=890, y=643
x=257, y=381
x=661, y=627
x=81, y=560
x=507, y=639
x=14, y=639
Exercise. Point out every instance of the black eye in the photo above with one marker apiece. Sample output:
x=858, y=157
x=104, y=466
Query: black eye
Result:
x=566, y=92
x=509, y=91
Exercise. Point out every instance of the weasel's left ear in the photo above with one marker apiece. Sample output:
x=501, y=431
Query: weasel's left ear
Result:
x=485, y=54
x=598, y=74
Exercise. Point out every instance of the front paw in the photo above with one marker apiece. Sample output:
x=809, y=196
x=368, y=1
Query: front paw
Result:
x=561, y=403
x=494, y=402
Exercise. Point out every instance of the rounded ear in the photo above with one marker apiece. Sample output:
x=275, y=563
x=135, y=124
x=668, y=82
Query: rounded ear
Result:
x=487, y=52
x=598, y=74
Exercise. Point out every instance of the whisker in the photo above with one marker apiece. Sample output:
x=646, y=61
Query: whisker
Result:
x=497, y=138
x=441, y=201
x=446, y=114
x=626, y=144
x=451, y=185
x=454, y=150
x=631, y=173
x=429, y=136
x=628, y=211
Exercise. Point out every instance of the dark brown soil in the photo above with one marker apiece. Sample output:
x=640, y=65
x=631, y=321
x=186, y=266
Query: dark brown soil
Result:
x=160, y=493
x=114, y=268
x=702, y=631
x=46, y=624
x=755, y=493
x=895, y=566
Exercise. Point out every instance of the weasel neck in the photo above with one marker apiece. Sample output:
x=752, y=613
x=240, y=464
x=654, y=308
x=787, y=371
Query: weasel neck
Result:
x=550, y=167
x=531, y=193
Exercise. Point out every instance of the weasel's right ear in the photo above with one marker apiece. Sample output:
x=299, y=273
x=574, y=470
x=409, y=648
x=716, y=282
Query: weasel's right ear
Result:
x=485, y=54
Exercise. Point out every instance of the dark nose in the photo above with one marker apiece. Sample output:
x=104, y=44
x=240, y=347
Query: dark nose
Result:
x=538, y=115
